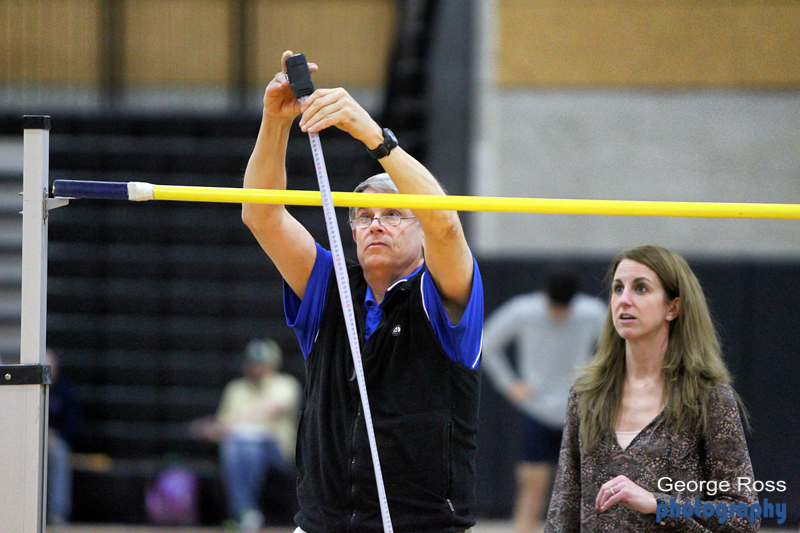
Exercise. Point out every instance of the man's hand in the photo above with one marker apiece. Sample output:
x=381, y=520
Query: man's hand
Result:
x=279, y=100
x=335, y=107
x=207, y=428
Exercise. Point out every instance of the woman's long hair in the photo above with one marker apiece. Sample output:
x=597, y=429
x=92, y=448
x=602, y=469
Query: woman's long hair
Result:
x=692, y=365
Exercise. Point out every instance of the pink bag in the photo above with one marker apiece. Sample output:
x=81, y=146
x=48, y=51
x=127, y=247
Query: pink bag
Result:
x=172, y=498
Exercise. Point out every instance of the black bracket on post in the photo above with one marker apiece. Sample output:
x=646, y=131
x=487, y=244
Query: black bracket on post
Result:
x=25, y=375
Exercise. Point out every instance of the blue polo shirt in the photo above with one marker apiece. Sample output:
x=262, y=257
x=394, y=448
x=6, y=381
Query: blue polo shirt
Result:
x=462, y=342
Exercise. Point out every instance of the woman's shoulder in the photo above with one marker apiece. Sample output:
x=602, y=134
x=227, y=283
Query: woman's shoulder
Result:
x=574, y=395
x=722, y=394
x=722, y=404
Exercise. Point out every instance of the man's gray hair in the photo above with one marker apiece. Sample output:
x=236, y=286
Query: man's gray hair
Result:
x=380, y=182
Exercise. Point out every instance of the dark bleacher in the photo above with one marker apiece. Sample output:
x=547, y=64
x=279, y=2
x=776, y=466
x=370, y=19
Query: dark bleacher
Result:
x=10, y=263
x=150, y=304
x=406, y=109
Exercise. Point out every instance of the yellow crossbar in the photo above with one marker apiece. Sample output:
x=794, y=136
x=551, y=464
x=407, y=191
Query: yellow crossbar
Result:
x=481, y=203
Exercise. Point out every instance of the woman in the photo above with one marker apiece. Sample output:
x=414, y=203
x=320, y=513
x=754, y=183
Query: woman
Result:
x=654, y=407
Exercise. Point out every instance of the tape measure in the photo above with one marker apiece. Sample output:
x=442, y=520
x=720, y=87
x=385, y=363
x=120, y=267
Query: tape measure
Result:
x=300, y=80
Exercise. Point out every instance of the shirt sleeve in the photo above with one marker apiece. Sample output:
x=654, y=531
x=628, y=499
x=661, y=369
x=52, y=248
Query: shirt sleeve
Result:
x=304, y=316
x=461, y=342
x=501, y=328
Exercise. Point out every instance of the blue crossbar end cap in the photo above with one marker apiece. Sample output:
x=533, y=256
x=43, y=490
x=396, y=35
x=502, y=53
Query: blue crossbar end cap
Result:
x=101, y=190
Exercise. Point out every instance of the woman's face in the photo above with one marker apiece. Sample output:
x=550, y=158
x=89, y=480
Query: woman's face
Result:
x=639, y=307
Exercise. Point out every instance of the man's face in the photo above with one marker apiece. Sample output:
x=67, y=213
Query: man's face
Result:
x=381, y=246
x=256, y=370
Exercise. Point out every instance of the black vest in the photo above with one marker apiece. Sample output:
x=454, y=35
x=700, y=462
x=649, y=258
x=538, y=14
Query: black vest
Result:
x=424, y=410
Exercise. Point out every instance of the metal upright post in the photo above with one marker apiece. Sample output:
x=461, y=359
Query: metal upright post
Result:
x=34, y=238
x=24, y=388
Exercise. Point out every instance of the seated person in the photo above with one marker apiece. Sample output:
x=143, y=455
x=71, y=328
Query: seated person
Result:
x=256, y=426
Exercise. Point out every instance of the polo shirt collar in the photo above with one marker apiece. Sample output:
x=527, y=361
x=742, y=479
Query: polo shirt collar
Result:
x=369, y=300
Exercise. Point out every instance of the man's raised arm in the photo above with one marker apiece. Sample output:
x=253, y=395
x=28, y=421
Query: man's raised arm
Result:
x=289, y=245
x=447, y=254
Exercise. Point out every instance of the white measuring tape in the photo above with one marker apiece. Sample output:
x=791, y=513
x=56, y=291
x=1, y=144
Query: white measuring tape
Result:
x=345, y=296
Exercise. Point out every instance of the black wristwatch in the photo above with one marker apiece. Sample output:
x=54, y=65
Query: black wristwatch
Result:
x=383, y=149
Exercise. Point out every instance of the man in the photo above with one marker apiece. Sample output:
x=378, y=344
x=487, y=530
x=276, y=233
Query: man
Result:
x=555, y=331
x=255, y=425
x=419, y=319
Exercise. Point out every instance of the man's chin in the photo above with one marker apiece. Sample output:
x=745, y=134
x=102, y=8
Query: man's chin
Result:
x=375, y=259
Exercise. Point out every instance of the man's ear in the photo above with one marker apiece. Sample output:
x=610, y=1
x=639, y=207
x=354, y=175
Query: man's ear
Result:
x=354, y=235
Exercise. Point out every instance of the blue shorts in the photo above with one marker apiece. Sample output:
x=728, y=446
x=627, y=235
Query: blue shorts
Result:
x=540, y=443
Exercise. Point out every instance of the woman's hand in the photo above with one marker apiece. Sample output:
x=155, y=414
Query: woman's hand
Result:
x=622, y=490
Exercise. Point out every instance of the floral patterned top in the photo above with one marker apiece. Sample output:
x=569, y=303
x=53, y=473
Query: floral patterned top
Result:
x=656, y=452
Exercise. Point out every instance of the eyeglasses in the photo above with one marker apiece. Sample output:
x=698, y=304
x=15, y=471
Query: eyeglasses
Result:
x=365, y=221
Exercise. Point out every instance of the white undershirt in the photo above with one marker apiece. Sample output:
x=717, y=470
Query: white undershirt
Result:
x=625, y=437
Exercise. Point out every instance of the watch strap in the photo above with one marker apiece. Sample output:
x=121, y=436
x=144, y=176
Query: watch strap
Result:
x=383, y=149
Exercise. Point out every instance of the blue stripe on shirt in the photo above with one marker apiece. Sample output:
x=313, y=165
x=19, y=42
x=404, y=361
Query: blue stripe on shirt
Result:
x=461, y=342
x=304, y=316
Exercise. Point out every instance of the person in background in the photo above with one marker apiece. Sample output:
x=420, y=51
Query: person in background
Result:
x=256, y=426
x=555, y=331
x=65, y=423
x=655, y=402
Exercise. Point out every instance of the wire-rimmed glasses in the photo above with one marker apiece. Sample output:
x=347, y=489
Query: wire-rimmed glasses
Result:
x=365, y=221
